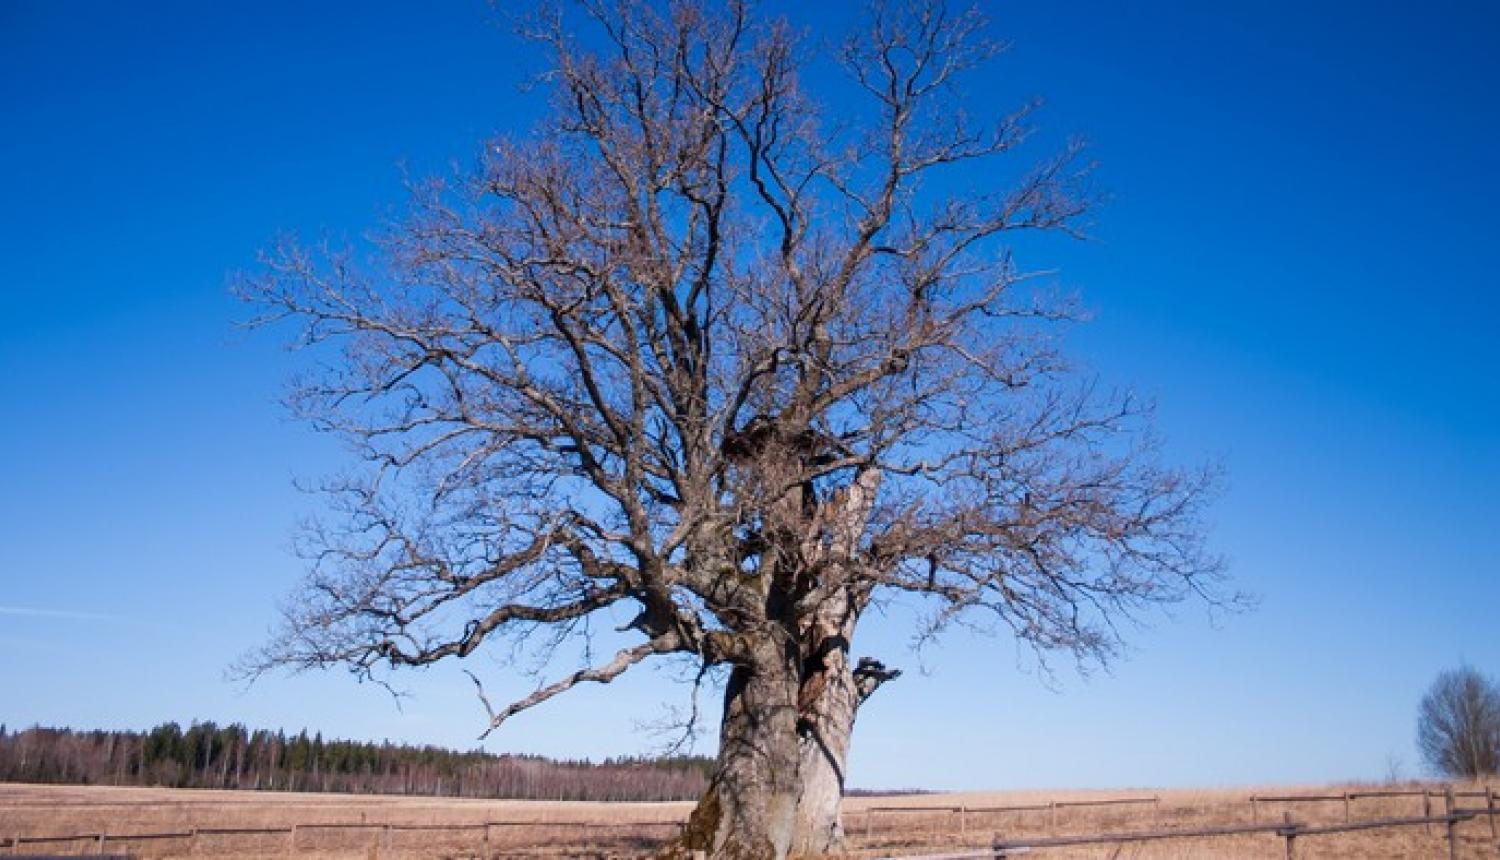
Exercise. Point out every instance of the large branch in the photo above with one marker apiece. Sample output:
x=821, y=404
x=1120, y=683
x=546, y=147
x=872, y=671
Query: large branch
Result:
x=622, y=661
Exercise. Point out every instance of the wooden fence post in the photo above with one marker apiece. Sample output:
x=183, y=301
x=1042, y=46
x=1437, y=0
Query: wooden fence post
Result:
x=1489, y=802
x=1052, y=816
x=963, y=825
x=1291, y=837
x=291, y=841
x=1448, y=804
x=1426, y=809
x=869, y=822
x=101, y=843
x=1346, y=807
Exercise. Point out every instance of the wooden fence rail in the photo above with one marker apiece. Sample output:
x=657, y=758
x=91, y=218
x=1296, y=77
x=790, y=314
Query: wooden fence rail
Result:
x=1288, y=830
x=1449, y=796
x=963, y=812
x=381, y=832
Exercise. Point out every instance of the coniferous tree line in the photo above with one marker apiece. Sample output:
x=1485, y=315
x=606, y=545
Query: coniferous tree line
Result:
x=208, y=755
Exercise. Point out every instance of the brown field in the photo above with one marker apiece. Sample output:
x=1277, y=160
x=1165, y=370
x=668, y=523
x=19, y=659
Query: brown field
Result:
x=449, y=828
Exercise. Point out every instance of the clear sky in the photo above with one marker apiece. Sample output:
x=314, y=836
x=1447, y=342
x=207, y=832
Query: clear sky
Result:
x=1298, y=262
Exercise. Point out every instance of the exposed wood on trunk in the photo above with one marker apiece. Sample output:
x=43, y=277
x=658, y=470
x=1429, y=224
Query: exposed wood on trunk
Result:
x=825, y=723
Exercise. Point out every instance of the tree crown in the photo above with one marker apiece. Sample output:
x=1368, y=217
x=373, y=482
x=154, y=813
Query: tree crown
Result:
x=690, y=348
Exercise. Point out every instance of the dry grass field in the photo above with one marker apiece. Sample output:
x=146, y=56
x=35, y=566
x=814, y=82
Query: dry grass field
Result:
x=925, y=824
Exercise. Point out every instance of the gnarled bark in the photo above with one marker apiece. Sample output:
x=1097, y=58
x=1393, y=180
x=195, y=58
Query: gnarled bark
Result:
x=826, y=705
x=779, y=783
x=828, y=702
x=823, y=732
x=748, y=811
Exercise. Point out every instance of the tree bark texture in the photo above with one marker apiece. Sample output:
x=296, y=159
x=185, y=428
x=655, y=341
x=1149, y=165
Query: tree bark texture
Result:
x=749, y=809
x=828, y=701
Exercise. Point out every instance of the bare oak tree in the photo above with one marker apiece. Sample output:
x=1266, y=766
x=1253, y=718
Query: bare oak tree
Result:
x=700, y=349
x=1458, y=724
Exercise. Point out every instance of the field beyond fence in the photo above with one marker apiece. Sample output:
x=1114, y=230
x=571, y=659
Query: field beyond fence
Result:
x=1408, y=821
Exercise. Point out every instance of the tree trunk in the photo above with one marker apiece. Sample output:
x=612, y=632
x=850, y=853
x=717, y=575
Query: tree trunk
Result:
x=823, y=747
x=749, y=808
x=827, y=703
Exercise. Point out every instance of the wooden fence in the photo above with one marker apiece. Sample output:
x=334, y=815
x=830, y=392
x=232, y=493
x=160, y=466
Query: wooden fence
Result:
x=1347, y=798
x=1288, y=829
x=962, y=814
x=378, y=836
x=200, y=840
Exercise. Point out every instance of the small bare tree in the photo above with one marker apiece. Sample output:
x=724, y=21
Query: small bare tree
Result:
x=1458, y=724
x=701, y=349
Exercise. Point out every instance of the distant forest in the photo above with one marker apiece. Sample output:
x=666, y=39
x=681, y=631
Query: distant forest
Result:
x=206, y=755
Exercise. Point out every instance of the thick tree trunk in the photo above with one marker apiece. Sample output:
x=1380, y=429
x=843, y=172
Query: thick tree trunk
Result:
x=827, y=704
x=749, y=809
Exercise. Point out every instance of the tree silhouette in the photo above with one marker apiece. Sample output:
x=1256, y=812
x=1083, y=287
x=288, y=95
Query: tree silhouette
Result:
x=1458, y=724
x=706, y=349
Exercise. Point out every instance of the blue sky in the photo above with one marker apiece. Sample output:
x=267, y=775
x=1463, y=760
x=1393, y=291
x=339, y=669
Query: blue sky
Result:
x=1298, y=262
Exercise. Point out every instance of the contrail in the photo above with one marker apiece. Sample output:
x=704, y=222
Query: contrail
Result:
x=29, y=612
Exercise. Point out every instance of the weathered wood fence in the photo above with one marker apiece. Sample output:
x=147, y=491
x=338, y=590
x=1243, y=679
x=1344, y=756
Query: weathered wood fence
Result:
x=378, y=836
x=1289, y=830
x=1348, y=798
x=199, y=840
x=963, y=814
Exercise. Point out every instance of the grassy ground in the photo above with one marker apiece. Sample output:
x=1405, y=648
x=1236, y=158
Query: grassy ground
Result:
x=921, y=824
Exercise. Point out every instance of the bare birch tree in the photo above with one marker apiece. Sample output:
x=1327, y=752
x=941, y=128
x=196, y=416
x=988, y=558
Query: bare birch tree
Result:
x=697, y=349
